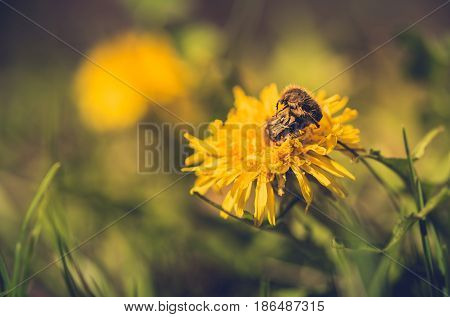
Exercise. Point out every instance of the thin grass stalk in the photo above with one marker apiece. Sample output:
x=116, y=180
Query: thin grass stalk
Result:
x=417, y=193
x=264, y=287
x=425, y=237
x=4, y=275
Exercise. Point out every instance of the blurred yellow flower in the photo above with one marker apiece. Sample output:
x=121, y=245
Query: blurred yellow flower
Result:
x=237, y=154
x=106, y=93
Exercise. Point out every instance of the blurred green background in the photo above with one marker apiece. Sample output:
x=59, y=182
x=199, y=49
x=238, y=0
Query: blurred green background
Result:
x=52, y=108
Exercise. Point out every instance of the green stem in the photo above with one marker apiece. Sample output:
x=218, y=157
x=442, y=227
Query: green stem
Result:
x=280, y=229
x=369, y=167
x=425, y=238
x=427, y=251
x=417, y=193
x=288, y=207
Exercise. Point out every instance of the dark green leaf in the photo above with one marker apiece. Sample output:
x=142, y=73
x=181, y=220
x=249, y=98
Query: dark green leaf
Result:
x=398, y=165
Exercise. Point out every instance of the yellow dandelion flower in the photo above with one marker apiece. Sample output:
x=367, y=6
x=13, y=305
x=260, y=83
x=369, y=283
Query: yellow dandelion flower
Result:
x=241, y=158
x=106, y=96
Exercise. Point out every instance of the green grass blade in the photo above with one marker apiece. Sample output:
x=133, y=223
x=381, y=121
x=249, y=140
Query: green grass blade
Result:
x=74, y=278
x=416, y=191
x=402, y=226
x=29, y=233
x=264, y=287
x=378, y=282
x=4, y=275
x=433, y=202
x=67, y=275
x=42, y=189
x=441, y=259
x=447, y=274
x=405, y=224
x=412, y=172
